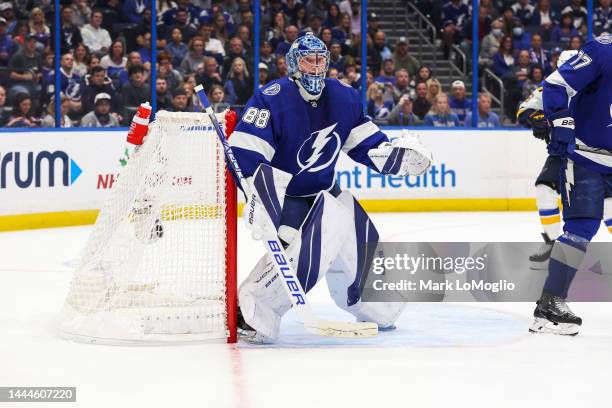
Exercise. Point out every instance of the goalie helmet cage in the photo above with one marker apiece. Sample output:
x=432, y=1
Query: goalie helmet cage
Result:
x=160, y=264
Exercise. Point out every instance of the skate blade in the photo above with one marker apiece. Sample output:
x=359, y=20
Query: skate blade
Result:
x=252, y=337
x=538, y=266
x=540, y=325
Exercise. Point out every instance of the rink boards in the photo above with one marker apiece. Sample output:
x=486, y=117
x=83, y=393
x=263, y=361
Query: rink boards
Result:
x=57, y=178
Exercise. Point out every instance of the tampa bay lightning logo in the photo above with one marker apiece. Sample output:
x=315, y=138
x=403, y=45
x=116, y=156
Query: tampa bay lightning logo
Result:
x=272, y=90
x=319, y=150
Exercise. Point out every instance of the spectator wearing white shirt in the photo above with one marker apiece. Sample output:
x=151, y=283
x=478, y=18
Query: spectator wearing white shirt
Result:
x=96, y=38
x=211, y=44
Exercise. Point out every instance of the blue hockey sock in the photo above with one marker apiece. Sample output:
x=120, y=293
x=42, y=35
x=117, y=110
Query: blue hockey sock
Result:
x=567, y=255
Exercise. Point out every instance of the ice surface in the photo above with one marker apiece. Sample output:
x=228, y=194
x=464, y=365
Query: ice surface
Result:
x=441, y=355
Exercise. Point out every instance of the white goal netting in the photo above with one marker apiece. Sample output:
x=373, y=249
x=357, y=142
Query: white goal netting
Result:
x=154, y=268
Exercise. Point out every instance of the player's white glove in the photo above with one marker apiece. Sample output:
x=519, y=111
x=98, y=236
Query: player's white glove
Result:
x=403, y=156
x=272, y=184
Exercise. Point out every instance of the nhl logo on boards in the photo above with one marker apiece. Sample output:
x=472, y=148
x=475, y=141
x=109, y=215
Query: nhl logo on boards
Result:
x=272, y=90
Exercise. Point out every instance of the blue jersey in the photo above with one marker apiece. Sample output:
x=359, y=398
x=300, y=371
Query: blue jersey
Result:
x=584, y=84
x=459, y=108
x=280, y=128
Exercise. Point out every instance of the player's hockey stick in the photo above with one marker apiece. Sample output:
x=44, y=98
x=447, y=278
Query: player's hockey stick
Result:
x=596, y=150
x=283, y=267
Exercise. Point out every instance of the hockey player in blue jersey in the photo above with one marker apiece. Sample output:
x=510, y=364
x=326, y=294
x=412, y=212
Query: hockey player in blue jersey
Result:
x=578, y=104
x=287, y=144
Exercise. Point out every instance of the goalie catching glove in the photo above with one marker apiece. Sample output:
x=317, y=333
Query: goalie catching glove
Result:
x=403, y=156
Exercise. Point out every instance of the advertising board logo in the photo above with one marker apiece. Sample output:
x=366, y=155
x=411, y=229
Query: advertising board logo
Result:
x=38, y=168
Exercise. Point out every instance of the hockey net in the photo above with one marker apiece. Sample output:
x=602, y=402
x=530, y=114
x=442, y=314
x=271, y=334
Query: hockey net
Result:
x=160, y=263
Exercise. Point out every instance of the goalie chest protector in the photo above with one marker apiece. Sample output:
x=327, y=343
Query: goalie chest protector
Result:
x=304, y=138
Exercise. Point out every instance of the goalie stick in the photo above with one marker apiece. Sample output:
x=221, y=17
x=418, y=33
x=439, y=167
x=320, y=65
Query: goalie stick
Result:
x=596, y=150
x=283, y=267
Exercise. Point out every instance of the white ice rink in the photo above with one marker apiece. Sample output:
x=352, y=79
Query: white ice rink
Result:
x=441, y=355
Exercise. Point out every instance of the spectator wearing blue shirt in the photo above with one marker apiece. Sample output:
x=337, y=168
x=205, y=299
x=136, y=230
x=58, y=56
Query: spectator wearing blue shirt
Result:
x=176, y=47
x=6, y=10
x=521, y=39
x=454, y=16
x=291, y=33
x=387, y=73
x=336, y=59
x=192, y=14
x=503, y=60
x=537, y=54
x=114, y=62
x=486, y=118
x=180, y=19
x=7, y=45
x=70, y=83
x=458, y=103
x=217, y=10
x=378, y=108
x=333, y=16
x=564, y=32
x=543, y=16
x=133, y=9
x=441, y=115
x=133, y=58
x=145, y=48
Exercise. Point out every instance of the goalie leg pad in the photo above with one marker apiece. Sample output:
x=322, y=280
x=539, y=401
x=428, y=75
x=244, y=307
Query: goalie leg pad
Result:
x=261, y=296
x=267, y=192
x=348, y=274
x=262, y=300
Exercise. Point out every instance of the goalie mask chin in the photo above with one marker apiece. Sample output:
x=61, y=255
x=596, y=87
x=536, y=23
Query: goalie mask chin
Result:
x=307, y=63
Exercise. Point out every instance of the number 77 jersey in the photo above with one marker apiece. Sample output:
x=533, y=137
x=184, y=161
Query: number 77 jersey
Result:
x=278, y=127
x=584, y=84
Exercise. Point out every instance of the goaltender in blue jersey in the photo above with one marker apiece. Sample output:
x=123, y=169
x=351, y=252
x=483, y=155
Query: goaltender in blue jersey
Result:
x=287, y=144
x=578, y=104
x=304, y=138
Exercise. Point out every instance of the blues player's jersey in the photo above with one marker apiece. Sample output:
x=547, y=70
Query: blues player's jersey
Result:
x=586, y=78
x=533, y=101
x=280, y=128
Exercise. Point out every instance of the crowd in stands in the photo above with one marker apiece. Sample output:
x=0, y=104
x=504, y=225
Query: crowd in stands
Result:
x=106, y=56
x=520, y=40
